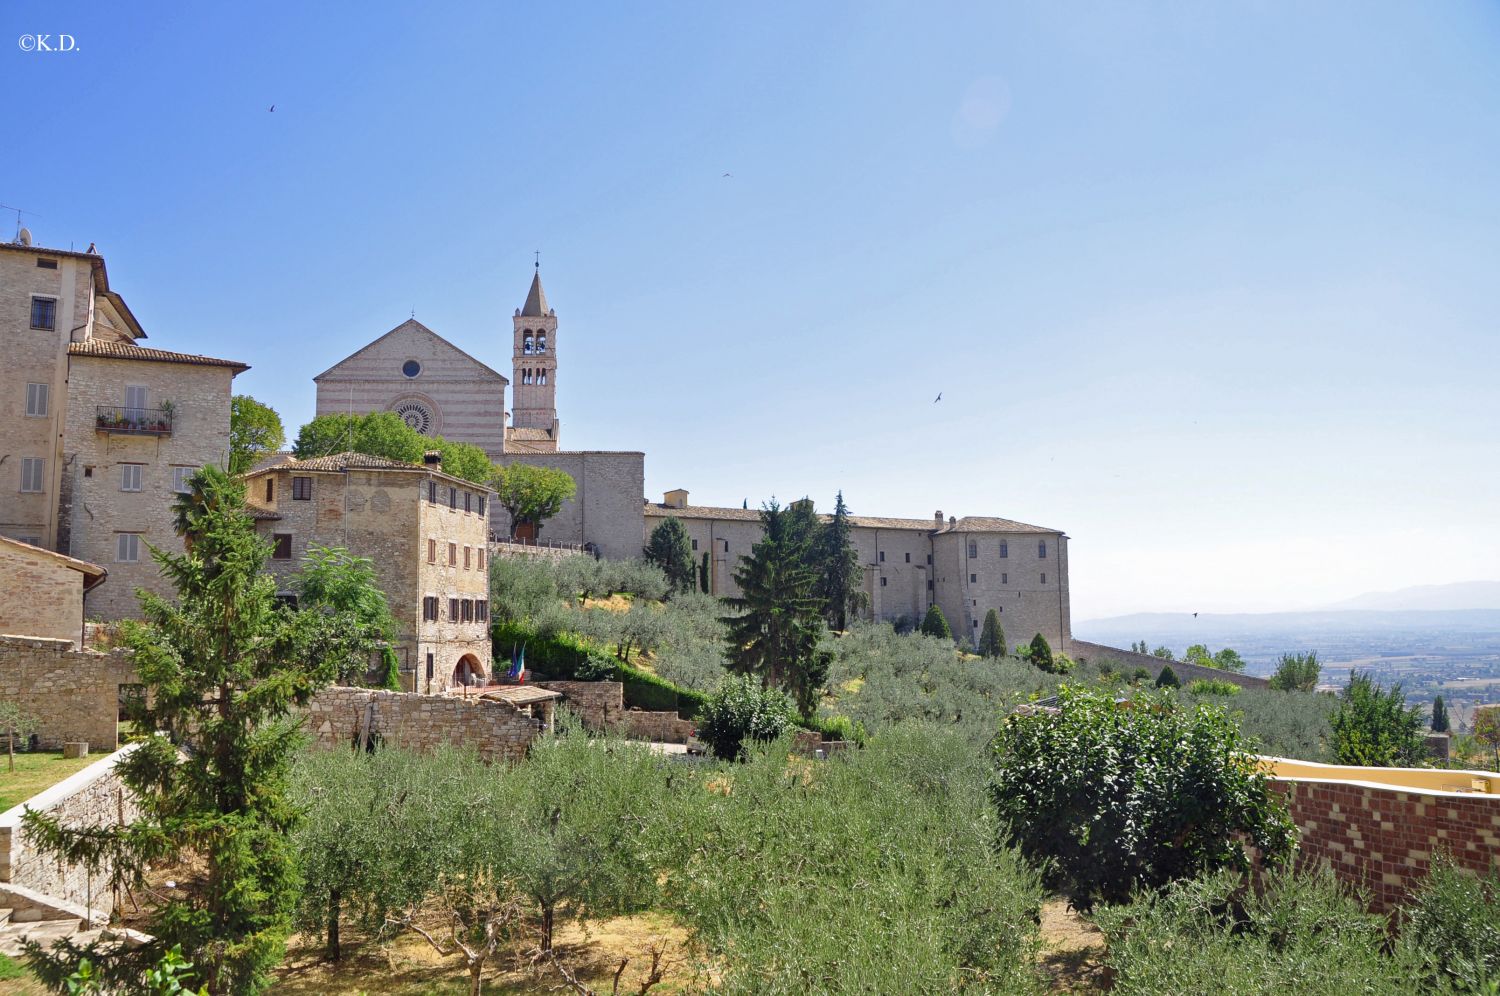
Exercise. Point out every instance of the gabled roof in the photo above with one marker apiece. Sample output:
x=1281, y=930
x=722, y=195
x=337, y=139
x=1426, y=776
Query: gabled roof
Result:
x=968, y=524
x=411, y=325
x=536, y=299
x=93, y=574
x=991, y=524
x=337, y=463
x=128, y=351
x=101, y=279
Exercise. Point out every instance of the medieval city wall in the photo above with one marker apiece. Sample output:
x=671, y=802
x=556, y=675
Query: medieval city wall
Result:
x=1130, y=660
x=73, y=693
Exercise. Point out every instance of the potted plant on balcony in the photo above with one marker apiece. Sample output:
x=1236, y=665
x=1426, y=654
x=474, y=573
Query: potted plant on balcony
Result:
x=164, y=423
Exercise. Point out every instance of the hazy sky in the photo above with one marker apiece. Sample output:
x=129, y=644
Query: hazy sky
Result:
x=1211, y=287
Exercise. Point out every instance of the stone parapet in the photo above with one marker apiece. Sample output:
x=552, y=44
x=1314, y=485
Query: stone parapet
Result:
x=341, y=716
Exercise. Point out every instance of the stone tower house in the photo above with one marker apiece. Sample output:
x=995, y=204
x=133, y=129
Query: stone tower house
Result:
x=534, y=427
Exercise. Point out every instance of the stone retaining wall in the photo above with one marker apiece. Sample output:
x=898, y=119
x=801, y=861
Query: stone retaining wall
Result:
x=1129, y=660
x=338, y=716
x=601, y=706
x=660, y=727
x=74, y=693
x=94, y=796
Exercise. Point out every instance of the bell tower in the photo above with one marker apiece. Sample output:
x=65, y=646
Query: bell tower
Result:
x=534, y=427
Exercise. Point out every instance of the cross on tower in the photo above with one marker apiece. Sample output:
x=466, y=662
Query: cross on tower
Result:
x=538, y=260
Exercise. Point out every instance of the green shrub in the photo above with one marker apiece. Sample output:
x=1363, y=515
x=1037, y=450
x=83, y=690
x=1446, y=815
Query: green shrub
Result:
x=1039, y=653
x=835, y=728
x=1123, y=797
x=1168, y=678
x=1213, y=686
x=739, y=711
x=934, y=624
x=1139, y=674
x=1302, y=934
x=1374, y=726
x=1452, y=925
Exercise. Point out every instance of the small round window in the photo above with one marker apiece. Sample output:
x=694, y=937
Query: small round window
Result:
x=411, y=368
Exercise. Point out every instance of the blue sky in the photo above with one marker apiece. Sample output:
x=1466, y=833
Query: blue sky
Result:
x=1212, y=287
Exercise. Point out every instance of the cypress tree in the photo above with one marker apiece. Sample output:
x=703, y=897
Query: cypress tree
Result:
x=840, y=575
x=703, y=573
x=935, y=624
x=672, y=551
x=992, y=636
x=1439, y=715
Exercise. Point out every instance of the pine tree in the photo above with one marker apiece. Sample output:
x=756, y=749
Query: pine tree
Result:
x=1167, y=678
x=224, y=666
x=776, y=633
x=1439, y=715
x=840, y=576
x=1040, y=653
x=672, y=551
x=936, y=624
x=992, y=636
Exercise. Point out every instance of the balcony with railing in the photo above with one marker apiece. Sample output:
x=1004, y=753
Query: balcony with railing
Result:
x=133, y=421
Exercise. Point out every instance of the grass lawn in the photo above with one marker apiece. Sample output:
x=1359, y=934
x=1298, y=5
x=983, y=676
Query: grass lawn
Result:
x=15, y=980
x=35, y=772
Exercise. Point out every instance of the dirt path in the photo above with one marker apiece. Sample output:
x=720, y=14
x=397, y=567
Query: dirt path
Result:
x=1072, y=950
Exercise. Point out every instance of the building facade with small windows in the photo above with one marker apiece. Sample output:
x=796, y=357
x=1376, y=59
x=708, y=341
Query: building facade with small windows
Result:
x=426, y=533
x=42, y=592
x=965, y=566
x=100, y=431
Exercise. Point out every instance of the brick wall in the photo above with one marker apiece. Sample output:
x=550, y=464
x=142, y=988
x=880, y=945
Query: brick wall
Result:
x=337, y=716
x=1383, y=838
x=1129, y=660
x=94, y=796
x=74, y=693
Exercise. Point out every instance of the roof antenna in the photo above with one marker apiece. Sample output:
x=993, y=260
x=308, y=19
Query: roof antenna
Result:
x=19, y=212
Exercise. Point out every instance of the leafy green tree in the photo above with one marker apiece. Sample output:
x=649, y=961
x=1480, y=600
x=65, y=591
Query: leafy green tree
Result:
x=1439, y=715
x=1487, y=730
x=1167, y=678
x=737, y=712
x=1165, y=653
x=381, y=434
x=1226, y=659
x=344, y=589
x=532, y=494
x=775, y=633
x=254, y=430
x=224, y=666
x=17, y=724
x=1374, y=728
x=1198, y=654
x=1140, y=647
x=1229, y=660
x=1039, y=653
x=840, y=583
x=1297, y=672
x=670, y=549
x=1115, y=800
x=935, y=624
x=992, y=636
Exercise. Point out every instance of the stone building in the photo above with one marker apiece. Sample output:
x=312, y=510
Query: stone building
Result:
x=442, y=391
x=41, y=592
x=966, y=566
x=425, y=531
x=100, y=432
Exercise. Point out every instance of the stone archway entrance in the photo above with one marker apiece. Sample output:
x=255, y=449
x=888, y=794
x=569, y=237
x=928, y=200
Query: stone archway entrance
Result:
x=468, y=671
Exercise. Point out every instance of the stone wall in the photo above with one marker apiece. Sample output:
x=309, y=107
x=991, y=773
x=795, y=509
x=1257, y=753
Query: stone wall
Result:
x=338, y=716
x=599, y=704
x=658, y=727
x=1382, y=838
x=93, y=797
x=1129, y=660
x=40, y=595
x=74, y=693
x=607, y=508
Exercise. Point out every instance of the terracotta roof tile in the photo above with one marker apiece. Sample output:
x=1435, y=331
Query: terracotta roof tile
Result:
x=129, y=351
x=969, y=523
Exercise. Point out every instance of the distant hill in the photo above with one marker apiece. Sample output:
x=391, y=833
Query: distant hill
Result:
x=1462, y=595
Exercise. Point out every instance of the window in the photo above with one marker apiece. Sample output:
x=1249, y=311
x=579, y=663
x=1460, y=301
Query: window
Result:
x=882, y=582
x=1041, y=550
x=1004, y=578
x=452, y=554
x=541, y=343
x=270, y=488
x=929, y=584
x=135, y=396
x=974, y=623
x=1044, y=578
x=432, y=492
x=882, y=556
x=127, y=548
x=429, y=613
x=481, y=610
x=973, y=549
x=411, y=368
x=1004, y=549
x=466, y=610
x=468, y=502
x=695, y=546
x=283, y=547
x=541, y=376
x=453, y=610
x=468, y=554
x=36, y=400
x=528, y=344
x=44, y=313
x=46, y=264
x=480, y=551
x=973, y=579
x=180, y=477
x=432, y=551
x=929, y=560
x=726, y=546
x=908, y=558
x=481, y=504
x=429, y=654
x=130, y=476
x=452, y=497
x=302, y=489
x=32, y=470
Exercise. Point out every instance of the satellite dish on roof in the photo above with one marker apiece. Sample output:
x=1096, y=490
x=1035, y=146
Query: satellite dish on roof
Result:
x=24, y=237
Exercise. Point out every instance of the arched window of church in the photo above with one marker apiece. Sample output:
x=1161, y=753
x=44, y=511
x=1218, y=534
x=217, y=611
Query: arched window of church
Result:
x=528, y=344
x=541, y=342
x=541, y=376
x=526, y=376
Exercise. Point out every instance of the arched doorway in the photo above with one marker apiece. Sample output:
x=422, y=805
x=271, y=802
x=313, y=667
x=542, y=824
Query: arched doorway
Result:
x=468, y=671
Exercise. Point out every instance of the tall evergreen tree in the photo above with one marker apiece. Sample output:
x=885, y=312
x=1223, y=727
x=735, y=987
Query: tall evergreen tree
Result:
x=1439, y=715
x=775, y=635
x=936, y=624
x=224, y=666
x=840, y=576
x=672, y=551
x=1040, y=653
x=992, y=636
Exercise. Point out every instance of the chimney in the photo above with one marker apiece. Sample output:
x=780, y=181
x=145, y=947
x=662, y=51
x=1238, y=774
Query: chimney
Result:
x=676, y=498
x=952, y=520
x=937, y=519
x=433, y=460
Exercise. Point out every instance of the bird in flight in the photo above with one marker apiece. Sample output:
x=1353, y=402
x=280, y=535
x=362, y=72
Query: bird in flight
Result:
x=729, y=174
x=938, y=398
x=1195, y=615
x=273, y=108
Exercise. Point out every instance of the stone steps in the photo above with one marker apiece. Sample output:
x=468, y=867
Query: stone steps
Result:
x=41, y=931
